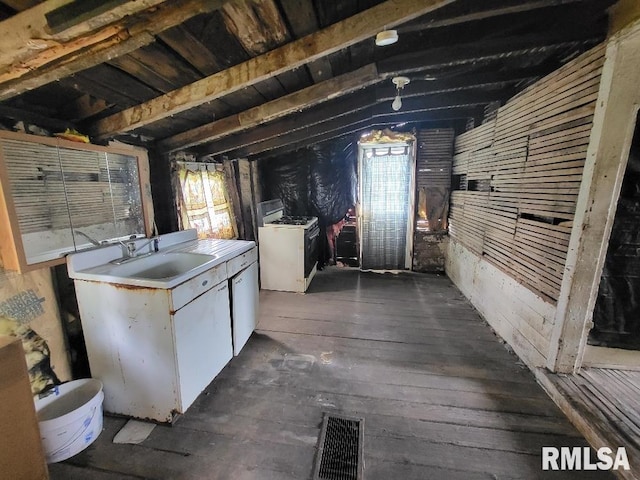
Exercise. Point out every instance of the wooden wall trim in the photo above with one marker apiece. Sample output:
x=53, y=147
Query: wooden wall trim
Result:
x=614, y=121
x=518, y=315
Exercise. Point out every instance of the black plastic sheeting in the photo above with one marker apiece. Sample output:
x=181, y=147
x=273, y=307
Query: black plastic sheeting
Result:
x=319, y=181
x=616, y=315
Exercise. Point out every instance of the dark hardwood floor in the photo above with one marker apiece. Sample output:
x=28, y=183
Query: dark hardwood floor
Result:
x=441, y=396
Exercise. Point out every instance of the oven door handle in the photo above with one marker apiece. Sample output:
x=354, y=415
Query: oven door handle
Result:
x=314, y=235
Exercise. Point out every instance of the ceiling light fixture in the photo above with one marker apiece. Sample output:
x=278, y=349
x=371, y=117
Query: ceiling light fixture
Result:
x=399, y=82
x=386, y=37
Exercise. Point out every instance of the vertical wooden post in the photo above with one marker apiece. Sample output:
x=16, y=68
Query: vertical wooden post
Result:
x=611, y=136
x=232, y=187
x=256, y=192
x=246, y=198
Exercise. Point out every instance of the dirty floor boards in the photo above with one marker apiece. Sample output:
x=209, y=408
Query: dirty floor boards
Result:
x=442, y=398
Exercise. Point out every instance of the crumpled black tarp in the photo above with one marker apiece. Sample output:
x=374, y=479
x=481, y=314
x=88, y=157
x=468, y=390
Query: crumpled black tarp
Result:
x=319, y=181
x=287, y=178
x=616, y=315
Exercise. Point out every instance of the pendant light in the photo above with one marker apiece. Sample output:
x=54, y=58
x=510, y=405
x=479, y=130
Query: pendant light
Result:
x=399, y=82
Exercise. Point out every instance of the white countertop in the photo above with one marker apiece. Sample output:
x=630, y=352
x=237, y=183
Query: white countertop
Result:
x=97, y=264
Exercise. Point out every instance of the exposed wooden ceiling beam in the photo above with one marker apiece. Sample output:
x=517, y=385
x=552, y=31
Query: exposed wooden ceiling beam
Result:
x=275, y=109
x=484, y=51
x=484, y=14
x=256, y=24
x=493, y=78
x=288, y=57
x=253, y=143
x=357, y=127
x=32, y=36
x=191, y=49
x=85, y=106
x=303, y=21
x=18, y=114
x=66, y=57
x=342, y=85
x=331, y=110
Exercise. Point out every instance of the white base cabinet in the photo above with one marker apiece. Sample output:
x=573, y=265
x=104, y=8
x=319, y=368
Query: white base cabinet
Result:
x=202, y=330
x=156, y=350
x=244, y=301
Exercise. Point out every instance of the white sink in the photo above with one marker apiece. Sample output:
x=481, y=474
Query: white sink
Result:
x=160, y=265
x=157, y=270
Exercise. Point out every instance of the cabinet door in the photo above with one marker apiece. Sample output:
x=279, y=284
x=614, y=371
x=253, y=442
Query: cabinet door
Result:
x=203, y=341
x=126, y=198
x=103, y=194
x=245, y=305
x=36, y=186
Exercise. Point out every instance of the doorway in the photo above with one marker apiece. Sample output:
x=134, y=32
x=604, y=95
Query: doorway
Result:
x=386, y=184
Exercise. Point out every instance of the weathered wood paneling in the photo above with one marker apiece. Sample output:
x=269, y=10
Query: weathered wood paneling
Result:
x=520, y=316
x=518, y=176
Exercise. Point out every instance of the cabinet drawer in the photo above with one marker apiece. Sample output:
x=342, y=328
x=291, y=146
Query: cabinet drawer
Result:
x=241, y=261
x=187, y=291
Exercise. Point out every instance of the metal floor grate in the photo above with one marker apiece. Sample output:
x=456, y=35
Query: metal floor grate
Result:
x=340, y=449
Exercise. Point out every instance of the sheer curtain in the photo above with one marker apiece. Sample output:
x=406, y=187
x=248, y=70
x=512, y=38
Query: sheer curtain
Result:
x=385, y=181
x=203, y=202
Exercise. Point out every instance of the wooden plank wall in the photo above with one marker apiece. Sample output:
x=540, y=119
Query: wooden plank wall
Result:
x=434, y=157
x=433, y=186
x=516, y=177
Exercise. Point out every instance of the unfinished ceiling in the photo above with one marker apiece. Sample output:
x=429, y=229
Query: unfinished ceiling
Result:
x=255, y=78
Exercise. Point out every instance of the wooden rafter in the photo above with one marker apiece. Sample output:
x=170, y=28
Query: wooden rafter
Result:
x=336, y=116
x=69, y=54
x=269, y=111
x=329, y=89
x=303, y=21
x=288, y=57
x=368, y=123
x=18, y=114
x=32, y=37
x=486, y=50
x=485, y=14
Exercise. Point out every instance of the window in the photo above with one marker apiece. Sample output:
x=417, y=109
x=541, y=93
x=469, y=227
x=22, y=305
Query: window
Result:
x=203, y=201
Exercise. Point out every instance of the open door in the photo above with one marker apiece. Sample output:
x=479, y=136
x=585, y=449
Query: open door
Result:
x=386, y=205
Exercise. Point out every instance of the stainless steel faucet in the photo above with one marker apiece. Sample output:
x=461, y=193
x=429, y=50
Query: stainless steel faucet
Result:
x=93, y=241
x=155, y=240
x=130, y=251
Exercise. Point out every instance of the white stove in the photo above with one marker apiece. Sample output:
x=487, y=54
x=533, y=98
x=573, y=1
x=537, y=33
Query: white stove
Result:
x=295, y=221
x=288, y=247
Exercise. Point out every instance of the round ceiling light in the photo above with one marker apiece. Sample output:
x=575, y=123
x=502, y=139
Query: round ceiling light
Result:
x=386, y=37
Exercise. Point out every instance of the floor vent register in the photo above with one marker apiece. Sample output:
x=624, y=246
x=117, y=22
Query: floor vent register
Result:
x=339, y=454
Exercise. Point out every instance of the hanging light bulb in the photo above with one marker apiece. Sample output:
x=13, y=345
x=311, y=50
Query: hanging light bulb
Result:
x=397, y=103
x=399, y=82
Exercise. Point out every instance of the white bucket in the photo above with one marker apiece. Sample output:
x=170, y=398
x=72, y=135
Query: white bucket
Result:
x=70, y=418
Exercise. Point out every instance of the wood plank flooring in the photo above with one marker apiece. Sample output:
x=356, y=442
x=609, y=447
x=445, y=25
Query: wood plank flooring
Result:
x=605, y=405
x=441, y=396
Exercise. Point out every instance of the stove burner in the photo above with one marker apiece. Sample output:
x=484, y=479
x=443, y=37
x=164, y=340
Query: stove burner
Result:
x=292, y=220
